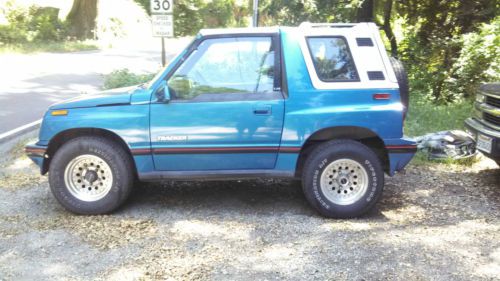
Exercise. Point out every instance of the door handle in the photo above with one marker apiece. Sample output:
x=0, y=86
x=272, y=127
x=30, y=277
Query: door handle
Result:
x=262, y=110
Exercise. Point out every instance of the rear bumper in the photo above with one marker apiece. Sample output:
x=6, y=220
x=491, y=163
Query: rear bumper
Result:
x=475, y=127
x=400, y=153
x=37, y=153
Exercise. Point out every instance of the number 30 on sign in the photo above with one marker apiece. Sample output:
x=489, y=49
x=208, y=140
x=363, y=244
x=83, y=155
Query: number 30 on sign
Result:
x=161, y=6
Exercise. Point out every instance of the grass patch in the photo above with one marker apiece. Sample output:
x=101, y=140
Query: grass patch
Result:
x=426, y=117
x=57, y=47
x=123, y=78
x=421, y=158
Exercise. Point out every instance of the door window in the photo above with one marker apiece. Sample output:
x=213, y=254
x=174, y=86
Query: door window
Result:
x=240, y=65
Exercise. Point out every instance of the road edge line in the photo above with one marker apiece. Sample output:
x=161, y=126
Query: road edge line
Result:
x=19, y=131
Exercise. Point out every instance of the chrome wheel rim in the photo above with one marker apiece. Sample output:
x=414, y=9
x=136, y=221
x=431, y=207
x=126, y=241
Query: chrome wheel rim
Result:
x=344, y=181
x=88, y=178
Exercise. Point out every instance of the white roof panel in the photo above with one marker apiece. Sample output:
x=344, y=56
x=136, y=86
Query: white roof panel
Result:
x=244, y=30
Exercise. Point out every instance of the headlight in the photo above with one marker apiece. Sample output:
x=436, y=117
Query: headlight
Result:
x=480, y=98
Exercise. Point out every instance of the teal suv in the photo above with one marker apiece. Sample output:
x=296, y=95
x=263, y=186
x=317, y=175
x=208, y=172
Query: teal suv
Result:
x=322, y=103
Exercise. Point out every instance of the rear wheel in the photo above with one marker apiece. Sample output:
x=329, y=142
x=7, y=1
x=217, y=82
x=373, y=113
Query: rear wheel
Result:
x=91, y=175
x=342, y=179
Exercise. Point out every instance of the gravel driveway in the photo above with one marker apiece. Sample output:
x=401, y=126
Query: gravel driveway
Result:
x=438, y=222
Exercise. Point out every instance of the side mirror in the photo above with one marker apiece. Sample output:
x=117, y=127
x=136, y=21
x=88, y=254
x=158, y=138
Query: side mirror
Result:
x=163, y=94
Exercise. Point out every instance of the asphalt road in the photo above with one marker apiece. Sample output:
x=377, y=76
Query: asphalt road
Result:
x=30, y=83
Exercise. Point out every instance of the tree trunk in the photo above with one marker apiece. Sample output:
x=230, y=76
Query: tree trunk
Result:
x=82, y=18
x=365, y=12
x=387, y=27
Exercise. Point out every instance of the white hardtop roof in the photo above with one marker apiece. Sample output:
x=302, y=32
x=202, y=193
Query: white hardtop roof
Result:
x=275, y=29
x=335, y=25
x=244, y=30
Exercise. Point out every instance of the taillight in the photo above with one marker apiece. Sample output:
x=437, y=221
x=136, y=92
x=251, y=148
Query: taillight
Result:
x=381, y=96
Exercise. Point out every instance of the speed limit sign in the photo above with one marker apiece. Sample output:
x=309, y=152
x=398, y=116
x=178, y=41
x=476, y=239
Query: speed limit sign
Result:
x=162, y=6
x=162, y=20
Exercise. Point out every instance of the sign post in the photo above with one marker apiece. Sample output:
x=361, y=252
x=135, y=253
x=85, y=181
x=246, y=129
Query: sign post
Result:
x=255, y=17
x=162, y=20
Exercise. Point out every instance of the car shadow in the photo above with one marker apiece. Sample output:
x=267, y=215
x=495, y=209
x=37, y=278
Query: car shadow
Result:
x=246, y=197
x=429, y=200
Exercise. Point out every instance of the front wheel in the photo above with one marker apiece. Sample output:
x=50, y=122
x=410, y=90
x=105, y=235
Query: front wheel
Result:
x=91, y=175
x=342, y=179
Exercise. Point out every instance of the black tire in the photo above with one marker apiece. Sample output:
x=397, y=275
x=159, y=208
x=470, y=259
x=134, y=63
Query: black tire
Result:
x=402, y=77
x=320, y=159
x=113, y=155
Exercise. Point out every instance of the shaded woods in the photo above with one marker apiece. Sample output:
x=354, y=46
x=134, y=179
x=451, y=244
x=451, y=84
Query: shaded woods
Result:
x=448, y=47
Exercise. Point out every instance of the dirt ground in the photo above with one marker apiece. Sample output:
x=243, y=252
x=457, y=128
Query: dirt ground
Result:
x=436, y=222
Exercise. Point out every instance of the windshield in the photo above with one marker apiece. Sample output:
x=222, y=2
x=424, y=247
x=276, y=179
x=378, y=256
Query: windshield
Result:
x=164, y=69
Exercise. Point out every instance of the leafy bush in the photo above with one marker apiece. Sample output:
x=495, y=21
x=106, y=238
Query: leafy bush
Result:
x=123, y=78
x=58, y=46
x=478, y=61
x=10, y=34
x=447, y=68
x=192, y=15
x=45, y=24
x=28, y=24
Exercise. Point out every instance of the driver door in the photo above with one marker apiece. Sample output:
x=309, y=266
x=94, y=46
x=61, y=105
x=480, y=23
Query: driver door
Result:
x=226, y=108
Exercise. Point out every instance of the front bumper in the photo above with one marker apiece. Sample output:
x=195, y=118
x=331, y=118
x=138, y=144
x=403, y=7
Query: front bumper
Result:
x=475, y=127
x=37, y=153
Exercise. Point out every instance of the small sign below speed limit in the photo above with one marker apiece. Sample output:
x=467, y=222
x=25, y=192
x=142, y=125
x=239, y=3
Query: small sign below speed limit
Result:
x=162, y=6
x=163, y=25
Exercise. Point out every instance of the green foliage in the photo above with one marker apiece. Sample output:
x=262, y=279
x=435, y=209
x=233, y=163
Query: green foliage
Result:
x=294, y=12
x=192, y=15
x=58, y=46
x=123, y=78
x=284, y=12
x=478, y=61
x=425, y=117
x=187, y=19
x=449, y=69
x=448, y=47
x=10, y=34
x=30, y=24
x=35, y=29
x=111, y=27
x=433, y=40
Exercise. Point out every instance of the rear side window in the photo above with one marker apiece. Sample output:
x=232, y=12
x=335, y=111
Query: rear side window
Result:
x=332, y=59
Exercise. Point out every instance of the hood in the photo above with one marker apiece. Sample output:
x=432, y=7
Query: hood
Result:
x=120, y=96
x=492, y=89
